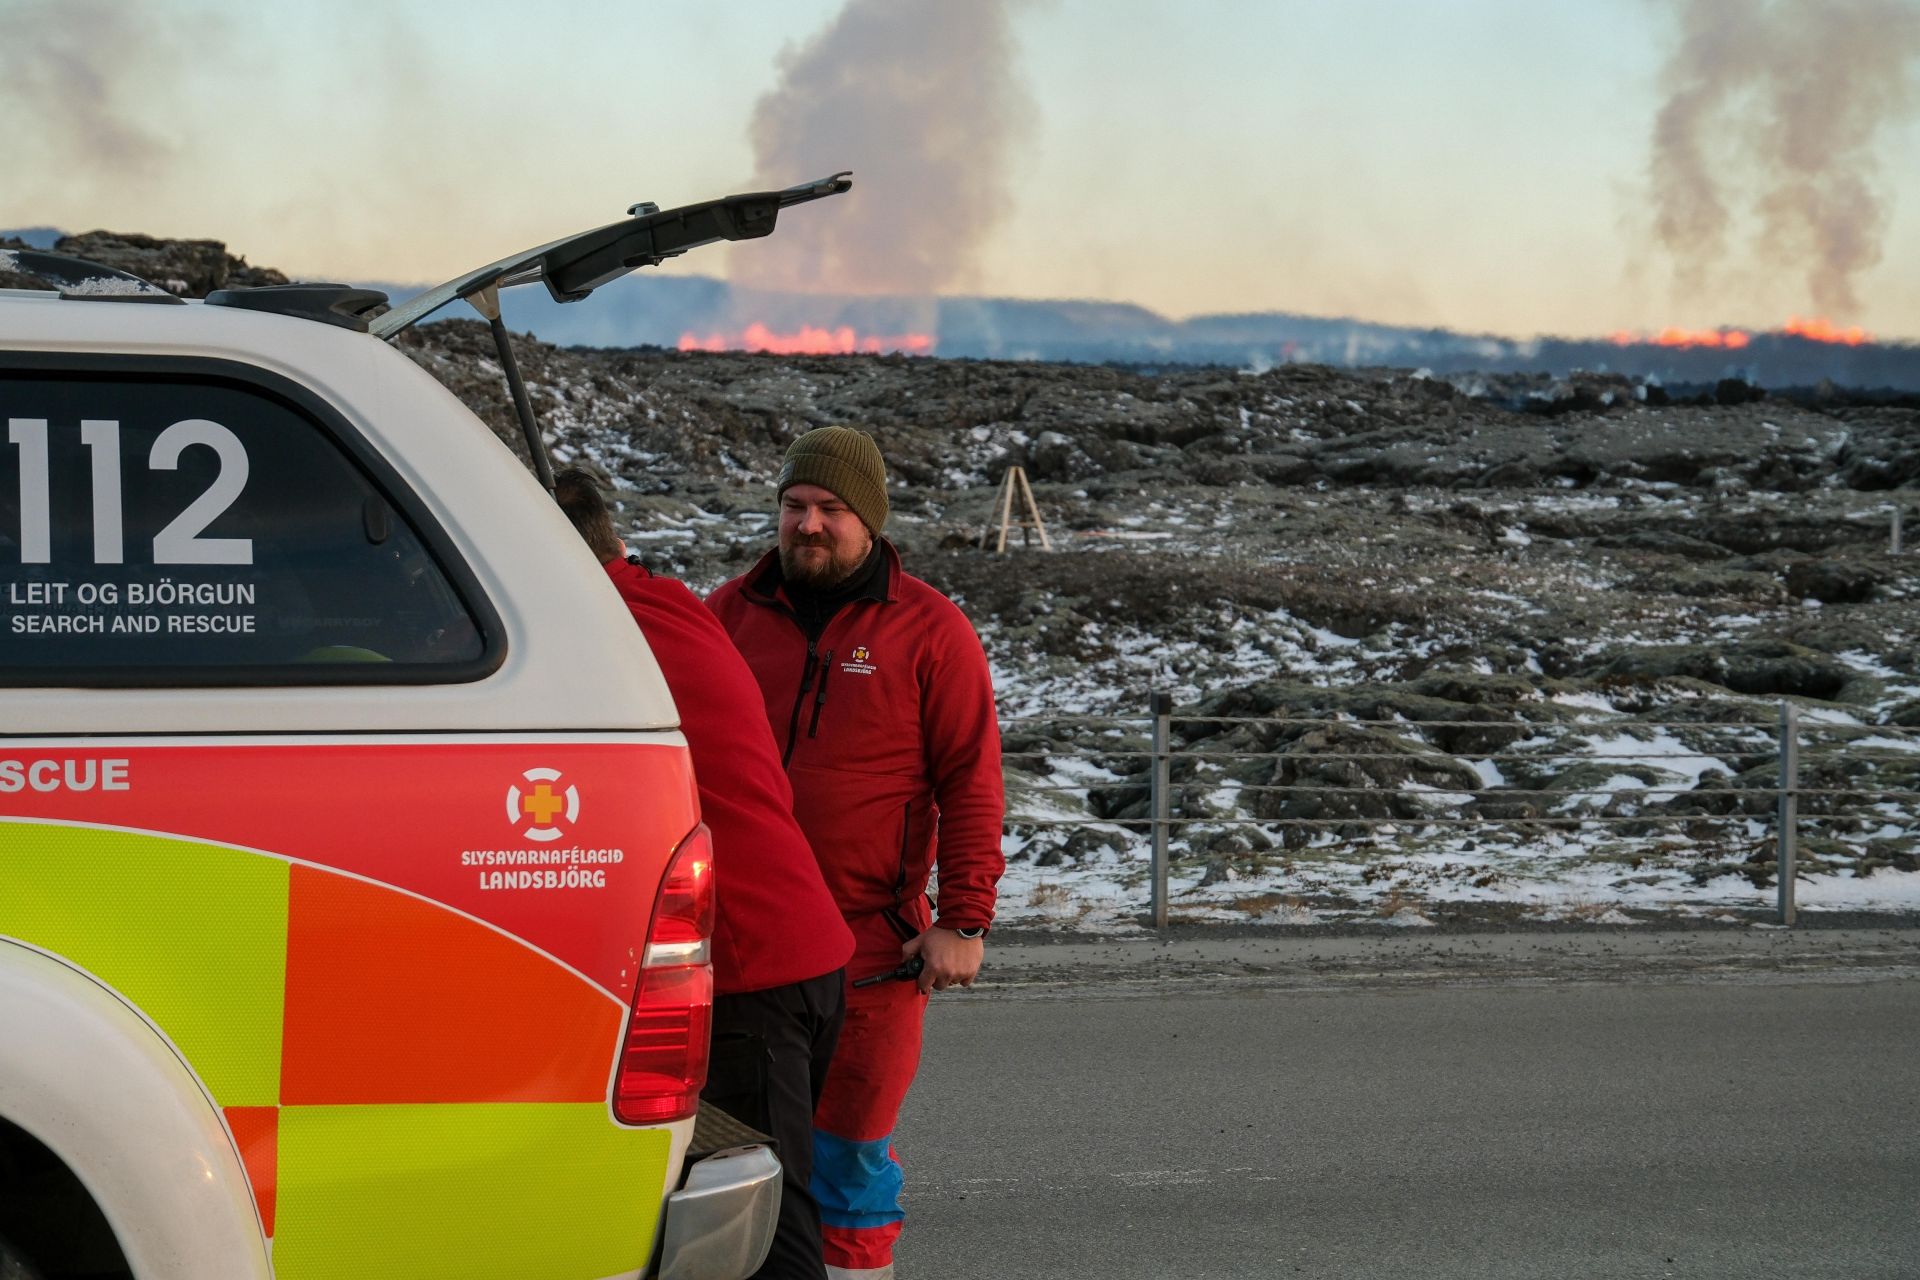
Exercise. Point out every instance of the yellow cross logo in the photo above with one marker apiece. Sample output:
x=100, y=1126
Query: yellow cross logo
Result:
x=543, y=805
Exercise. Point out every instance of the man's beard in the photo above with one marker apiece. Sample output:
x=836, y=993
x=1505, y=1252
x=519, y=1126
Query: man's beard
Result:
x=822, y=575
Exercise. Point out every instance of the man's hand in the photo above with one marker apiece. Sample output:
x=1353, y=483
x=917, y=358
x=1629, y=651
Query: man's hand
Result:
x=950, y=959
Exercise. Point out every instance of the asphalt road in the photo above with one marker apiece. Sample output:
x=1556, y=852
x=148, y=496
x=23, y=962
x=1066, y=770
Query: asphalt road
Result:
x=1263, y=1118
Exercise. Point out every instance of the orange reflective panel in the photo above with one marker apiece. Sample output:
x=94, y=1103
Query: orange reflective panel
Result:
x=393, y=999
x=257, y=1131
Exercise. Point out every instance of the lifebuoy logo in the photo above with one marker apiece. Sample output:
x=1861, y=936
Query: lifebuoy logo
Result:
x=543, y=803
x=861, y=663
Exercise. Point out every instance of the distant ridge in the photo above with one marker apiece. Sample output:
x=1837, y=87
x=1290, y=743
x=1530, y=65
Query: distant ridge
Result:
x=651, y=310
x=657, y=310
x=34, y=237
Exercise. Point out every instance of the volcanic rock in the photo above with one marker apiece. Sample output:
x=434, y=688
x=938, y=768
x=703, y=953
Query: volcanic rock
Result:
x=1833, y=581
x=185, y=268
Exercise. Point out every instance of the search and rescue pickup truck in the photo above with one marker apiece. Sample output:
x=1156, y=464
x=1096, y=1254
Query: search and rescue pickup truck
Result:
x=354, y=906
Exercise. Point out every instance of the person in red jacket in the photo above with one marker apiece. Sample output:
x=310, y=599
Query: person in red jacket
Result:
x=779, y=945
x=880, y=700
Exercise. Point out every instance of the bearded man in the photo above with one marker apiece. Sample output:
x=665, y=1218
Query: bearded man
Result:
x=880, y=700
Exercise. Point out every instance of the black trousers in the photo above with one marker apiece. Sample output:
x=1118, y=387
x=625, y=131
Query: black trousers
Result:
x=770, y=1055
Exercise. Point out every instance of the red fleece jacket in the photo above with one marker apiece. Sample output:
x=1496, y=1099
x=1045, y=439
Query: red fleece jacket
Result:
x=775, y=921
x=887, y=725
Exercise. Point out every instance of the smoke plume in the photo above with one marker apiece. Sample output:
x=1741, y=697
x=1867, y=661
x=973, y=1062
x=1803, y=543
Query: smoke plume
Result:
x=1773, y=108
x=920, y=99
x=66, y=68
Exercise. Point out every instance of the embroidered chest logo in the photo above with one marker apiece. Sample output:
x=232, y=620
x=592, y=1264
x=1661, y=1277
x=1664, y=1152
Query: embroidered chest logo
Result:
x=860, y=662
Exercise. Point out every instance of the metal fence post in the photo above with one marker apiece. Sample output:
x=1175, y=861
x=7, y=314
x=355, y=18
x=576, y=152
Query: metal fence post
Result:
x=1789, y=806
x=1160, y=704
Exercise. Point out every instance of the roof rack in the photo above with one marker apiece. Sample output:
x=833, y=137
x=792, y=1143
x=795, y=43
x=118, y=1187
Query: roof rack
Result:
x=335, y=304
x=81, y=280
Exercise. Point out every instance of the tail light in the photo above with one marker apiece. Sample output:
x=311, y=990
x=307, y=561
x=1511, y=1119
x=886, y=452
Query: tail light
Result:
x=663, y=1062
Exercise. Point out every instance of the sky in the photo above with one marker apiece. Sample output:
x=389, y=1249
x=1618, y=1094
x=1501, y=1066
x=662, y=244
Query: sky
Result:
x=1484, y=165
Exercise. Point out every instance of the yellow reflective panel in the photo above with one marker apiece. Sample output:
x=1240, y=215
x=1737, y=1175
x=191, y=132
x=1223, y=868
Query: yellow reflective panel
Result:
x=194, y=935
x=465, y=1191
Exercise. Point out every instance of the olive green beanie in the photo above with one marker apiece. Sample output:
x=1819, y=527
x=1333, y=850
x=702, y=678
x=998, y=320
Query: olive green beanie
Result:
x=844, y=462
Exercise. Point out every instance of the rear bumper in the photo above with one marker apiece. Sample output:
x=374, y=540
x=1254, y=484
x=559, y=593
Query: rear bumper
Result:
x=720, y=1224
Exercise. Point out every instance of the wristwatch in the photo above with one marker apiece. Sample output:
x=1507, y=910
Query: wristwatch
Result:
x=978, y=931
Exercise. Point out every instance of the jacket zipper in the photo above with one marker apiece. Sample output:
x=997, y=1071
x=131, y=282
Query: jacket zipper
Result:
x=820, y=697
x=799, y=701
x=906, y=832
x=892, y=913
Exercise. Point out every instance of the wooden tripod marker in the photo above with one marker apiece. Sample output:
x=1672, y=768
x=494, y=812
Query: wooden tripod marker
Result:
x=1016, y=481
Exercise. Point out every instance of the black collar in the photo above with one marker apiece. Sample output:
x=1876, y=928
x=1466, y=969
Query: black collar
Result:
x=816, y=608
x=872, y=581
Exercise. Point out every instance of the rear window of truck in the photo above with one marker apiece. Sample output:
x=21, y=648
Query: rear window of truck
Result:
x=184, y=524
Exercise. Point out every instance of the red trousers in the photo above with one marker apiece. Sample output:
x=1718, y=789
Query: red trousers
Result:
x=857, y=1176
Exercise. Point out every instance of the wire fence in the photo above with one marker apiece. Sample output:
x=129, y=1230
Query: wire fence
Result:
x=1782, y=794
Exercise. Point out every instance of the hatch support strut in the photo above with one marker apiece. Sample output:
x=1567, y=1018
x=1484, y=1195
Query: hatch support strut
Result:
x=486, y=300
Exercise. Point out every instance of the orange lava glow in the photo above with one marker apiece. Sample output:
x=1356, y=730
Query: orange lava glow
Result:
x=1817, y=329
x=808, y=341
x=1820, y=329
x=1726, y=339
